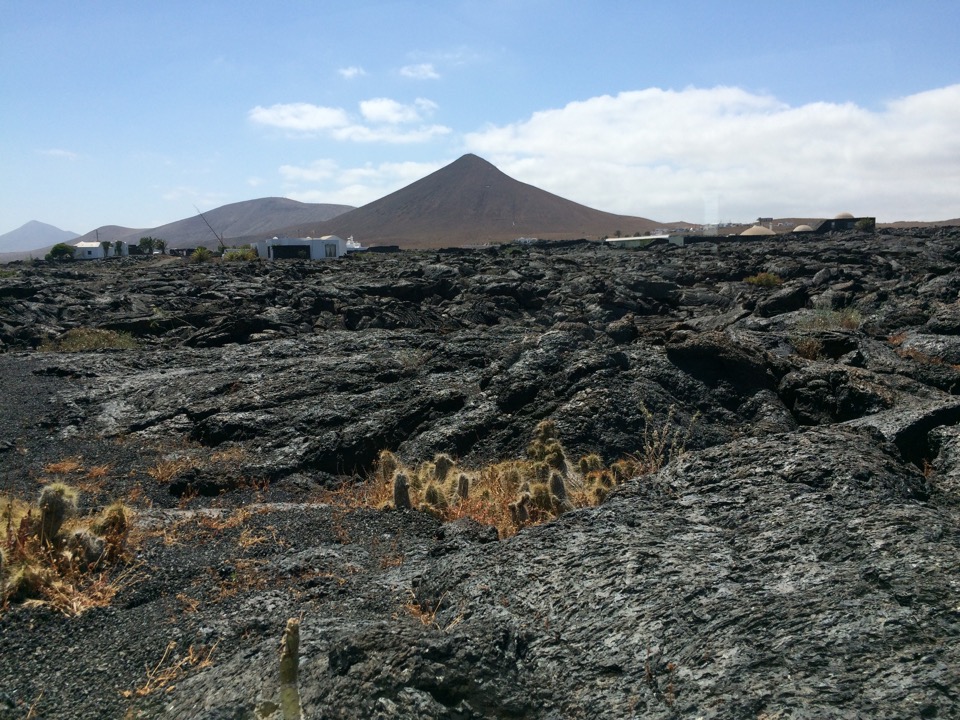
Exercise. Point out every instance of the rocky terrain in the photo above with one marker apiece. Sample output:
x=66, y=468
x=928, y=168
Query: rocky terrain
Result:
x=800, y=558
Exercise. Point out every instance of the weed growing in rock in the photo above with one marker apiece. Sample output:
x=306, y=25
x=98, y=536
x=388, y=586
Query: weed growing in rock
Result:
x=764, y=279
x=825, y=318
x=88, y=340
x=172, y=667
x=662, y=442
x=807, y=347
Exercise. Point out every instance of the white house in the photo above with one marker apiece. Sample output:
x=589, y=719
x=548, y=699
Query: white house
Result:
x=98, y=251
x=277, y=248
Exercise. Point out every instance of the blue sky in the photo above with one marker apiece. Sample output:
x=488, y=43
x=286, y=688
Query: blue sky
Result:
x=136, y=113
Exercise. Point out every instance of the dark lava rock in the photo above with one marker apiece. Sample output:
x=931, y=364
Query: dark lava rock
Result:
x=799, y=559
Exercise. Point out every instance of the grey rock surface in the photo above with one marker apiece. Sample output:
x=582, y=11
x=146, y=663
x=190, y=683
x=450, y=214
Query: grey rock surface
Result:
x=801, y=558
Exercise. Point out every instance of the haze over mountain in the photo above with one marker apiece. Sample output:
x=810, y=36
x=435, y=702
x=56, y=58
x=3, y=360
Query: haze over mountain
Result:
x=34, y=234
x=470, y=201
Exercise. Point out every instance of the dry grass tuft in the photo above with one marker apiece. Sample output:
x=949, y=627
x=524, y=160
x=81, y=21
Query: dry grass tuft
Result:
x=171, y=668
x=64, y=467
x=89, y=339
x=168, y=469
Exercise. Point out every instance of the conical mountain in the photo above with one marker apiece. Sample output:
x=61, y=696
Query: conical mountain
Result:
x=470, y=202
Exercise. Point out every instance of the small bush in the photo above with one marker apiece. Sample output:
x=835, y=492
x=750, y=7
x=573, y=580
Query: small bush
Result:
x=90, y=339
x=764, y=279
x=247, y=254
x=827, y=319
x=807, y=347
x=200, y=255
x=866, y=225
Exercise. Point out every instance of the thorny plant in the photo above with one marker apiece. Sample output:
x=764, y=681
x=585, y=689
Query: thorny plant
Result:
x=512, y=494
x=79, y=565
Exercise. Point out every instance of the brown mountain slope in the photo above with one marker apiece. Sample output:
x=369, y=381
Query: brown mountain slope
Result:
x=240, y=219
x=469, y=202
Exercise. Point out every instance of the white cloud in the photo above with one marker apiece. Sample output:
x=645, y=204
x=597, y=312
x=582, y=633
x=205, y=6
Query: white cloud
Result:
x=421, y=71
x=385, y=110
x=59, y=153
x=382, y=120
x=302, y=117
x=352, y=72
x=392, y=135
x=669, y=154
x=323, y=181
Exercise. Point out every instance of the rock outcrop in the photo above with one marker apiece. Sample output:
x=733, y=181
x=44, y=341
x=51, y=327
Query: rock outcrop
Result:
x=801, y=558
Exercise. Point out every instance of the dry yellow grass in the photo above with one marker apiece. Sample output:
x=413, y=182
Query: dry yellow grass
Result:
x=166, y=470
x=171, y=668
x=65, y=466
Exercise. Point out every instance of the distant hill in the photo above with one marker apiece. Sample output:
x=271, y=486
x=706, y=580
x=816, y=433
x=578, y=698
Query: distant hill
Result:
x=34, y=235
x=921, y=223
x=471, y=202
x=237, y=220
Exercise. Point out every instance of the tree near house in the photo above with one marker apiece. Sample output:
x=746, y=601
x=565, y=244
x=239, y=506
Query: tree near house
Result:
x=161, y=245
x=106, y=245
x=61, y=251
x=146, y=245
x=118, y=248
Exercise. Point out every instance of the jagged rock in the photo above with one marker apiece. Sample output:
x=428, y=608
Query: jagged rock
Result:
x=798, y=559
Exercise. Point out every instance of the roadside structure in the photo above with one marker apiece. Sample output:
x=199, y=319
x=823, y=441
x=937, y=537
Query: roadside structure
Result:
x=285, y=248
x=90, y=250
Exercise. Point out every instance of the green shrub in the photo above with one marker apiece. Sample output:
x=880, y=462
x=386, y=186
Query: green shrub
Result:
x=247, y=254
x=764, y=279
x=200, y=255
x=61, y=251
x=88, y=339
x=866, y=225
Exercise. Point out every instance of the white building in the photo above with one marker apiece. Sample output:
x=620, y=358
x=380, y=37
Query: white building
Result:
x=277, y=248
x=97, y=251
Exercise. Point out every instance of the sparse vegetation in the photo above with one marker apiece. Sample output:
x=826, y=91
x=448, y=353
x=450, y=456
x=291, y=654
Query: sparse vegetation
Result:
x=512, y=494
x=866, y=225
x=200, y=255
x=247, y=254
x=89, y=339
x=52, y=557
x=807, y=347
x=764, y=279
x=825, y=318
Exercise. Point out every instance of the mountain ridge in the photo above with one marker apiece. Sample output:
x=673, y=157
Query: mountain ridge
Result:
x=34, y=234
x=471, y=201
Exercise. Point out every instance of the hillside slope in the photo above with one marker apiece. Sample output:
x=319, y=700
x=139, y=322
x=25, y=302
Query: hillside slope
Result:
x=469, y=202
